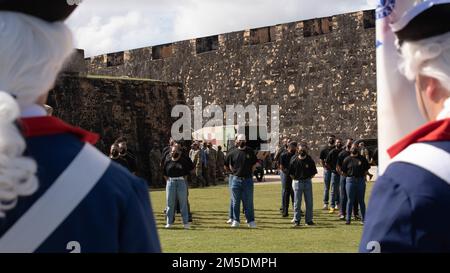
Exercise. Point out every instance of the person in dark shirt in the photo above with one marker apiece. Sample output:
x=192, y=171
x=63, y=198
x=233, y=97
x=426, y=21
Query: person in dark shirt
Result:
x=164, y=154
x=127, y=155
x=280, y=150
x=355, y=168
x=302, y=169
x=176, y=168
x=114, y=155
x=367, y=154
x=342, y=191
x=326, y=170
x=230, y=179
x=120, y=153
x=331, y=161
x=286, y=180
x=241, y=161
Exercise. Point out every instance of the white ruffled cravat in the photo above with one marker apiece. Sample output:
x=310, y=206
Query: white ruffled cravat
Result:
x=33, y=111
x=445, y=113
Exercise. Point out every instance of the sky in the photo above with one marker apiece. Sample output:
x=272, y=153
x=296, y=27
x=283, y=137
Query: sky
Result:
x=104, y=26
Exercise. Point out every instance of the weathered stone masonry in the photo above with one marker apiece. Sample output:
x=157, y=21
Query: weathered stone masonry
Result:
x=113, y=107
x=321, y=72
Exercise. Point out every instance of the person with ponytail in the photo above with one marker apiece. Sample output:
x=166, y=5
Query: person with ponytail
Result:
x=409, y=203
x=57, y=192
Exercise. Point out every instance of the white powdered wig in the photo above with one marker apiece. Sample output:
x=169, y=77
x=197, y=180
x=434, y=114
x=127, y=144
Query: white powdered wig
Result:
x=429, y=57
x=32, y=52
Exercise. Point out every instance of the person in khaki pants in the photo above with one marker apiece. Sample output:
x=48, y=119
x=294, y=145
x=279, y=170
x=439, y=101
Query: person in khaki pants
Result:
x=195, y=156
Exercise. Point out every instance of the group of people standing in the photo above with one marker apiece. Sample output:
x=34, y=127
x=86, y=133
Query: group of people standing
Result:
x=345, y=166
x=120, y=153
x=202, y=165
x=345, y=169
x=208, y=164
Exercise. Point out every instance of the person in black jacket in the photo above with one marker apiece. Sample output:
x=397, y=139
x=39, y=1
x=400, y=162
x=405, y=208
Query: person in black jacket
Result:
x=355, y=168
x=302, y=169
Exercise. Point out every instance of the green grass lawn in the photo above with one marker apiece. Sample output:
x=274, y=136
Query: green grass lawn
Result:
x=210, y=233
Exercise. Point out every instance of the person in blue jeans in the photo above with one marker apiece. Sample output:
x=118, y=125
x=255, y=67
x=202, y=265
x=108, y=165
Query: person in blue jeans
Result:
x=286, y=179
x=302, y=169
x=230, y=211
x=326, y=170
x=241, y=161
x=176, y=168
x=343, y=180
x=355, y=168
x=277, y=156
x=331, y=161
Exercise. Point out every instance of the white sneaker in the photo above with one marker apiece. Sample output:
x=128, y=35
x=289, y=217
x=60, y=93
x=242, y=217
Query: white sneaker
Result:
x=235, y=224
x=168, y=226
x=252, y=224
x=187, y=226
x=230, y=221
x=293, y=220
x=325, y=207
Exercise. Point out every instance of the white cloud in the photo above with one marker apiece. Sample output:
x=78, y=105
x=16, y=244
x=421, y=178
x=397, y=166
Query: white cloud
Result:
x=102, y=34
x=103, y=26
x=206, y=17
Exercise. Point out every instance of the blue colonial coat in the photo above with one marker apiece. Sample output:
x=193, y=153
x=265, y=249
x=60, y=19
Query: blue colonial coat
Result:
x=115, y=216
x=410, y=204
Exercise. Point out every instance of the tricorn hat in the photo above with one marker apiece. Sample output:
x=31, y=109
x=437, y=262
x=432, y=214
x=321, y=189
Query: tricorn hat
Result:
x=48, y=10
x=422, y=19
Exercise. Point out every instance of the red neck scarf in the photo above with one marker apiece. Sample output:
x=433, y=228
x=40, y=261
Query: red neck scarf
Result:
x=432, y=131
x=44, y=126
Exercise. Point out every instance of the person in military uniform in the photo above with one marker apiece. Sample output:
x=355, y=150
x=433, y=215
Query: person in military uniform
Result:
x=366, y=153
x=268, y=163
x=58, y=193
x=212, y=163
x=220, y=164
x=195, y=156
x=205, y=170
x=410, y=201
x=154, y=160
